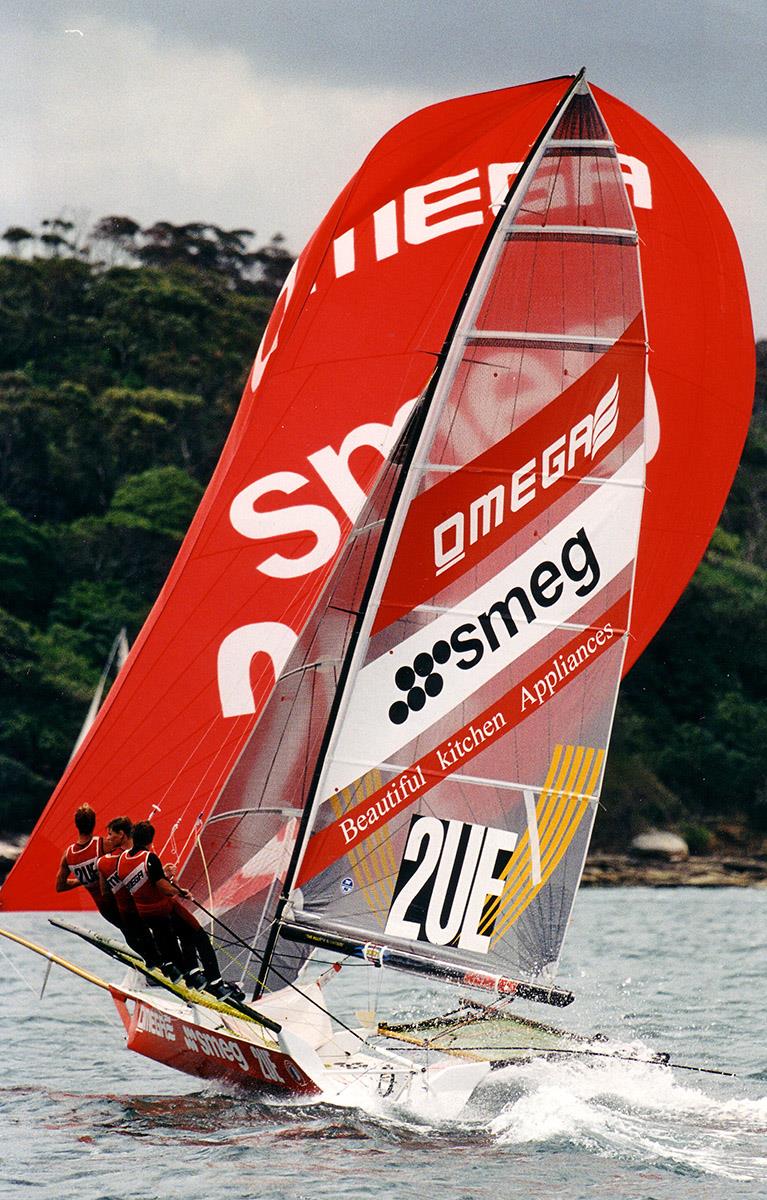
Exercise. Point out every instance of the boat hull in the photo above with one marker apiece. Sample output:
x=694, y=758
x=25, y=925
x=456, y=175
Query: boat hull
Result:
x=178, y=1040
x=210, y=1049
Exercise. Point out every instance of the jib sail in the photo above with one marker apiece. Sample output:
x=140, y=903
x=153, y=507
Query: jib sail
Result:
x=239, y=863
x=455, y=803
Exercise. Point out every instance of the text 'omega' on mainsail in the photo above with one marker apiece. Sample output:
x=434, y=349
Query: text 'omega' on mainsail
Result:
x=407, y=610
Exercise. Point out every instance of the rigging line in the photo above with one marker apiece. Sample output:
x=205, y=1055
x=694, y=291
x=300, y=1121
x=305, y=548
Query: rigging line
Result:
x=661, y=1059
x=280, y=976
x=504, y=1003
x=333, y=967
x=237, y=749
x=204, y=861
x=305, y=743
x=228, y=767
x=196, y=746
x=20, y=973
x=241, y=815
x=296, y=700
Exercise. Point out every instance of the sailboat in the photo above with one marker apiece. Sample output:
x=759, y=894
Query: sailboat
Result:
x=392, y=742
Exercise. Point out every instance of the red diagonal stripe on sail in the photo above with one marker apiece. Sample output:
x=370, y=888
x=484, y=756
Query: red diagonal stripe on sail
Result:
x=330, y=844
x=413, y=577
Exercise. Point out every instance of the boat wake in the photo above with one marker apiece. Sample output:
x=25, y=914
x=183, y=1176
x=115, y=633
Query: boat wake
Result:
x=634, y=1112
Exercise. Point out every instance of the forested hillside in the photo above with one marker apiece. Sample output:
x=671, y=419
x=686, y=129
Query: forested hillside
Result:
x=120, y=371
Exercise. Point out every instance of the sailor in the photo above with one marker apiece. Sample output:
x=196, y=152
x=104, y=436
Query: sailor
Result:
x=179, y=936
x=78, y=865
x=136, y=933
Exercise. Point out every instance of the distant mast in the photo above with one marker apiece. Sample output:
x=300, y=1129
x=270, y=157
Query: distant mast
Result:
x=116, y=658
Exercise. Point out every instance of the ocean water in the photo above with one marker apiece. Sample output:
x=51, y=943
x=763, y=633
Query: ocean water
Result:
x=679, y=970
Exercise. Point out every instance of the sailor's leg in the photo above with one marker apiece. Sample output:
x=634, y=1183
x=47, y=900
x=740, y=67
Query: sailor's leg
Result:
x=192, y=934
x=108, y=908
x=139, y=937
x=173, y=955
x=189, y=930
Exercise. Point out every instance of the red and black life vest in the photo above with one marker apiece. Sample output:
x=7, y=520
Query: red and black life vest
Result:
x=132, y=871
x=107, y=867
x=82, y=860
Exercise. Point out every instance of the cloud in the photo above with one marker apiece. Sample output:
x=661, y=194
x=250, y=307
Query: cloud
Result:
x=736, y=170
x=255, y=114
x=124, y=121
x=702, y=61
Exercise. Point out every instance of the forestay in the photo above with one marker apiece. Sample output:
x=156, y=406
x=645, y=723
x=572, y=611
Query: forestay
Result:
x=454, y=807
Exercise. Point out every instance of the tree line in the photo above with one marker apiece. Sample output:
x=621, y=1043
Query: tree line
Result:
x=112, y=241
x=120, y=373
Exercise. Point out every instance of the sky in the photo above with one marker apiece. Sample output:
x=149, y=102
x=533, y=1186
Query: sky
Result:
x=254, y=113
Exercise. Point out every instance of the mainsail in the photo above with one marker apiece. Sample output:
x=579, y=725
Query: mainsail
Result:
x=451, y=810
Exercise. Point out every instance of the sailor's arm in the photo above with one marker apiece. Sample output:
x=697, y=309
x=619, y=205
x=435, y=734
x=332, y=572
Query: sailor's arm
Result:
x=64, y=881
x=154, y=870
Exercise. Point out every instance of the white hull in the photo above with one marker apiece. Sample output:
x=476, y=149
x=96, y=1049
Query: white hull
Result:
x=306, y=1061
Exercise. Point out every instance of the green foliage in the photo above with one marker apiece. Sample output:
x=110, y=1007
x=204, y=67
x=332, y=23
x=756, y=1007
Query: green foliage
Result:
x=44, y=693
x=117, y=389
x=27, y=577
x=162, y=500
x=700, y=840
x=22, y=795
x=230, y=254
x=51, y=449
x=94, y=610
x=697, y=696
x=148, y=425
x=633, y=799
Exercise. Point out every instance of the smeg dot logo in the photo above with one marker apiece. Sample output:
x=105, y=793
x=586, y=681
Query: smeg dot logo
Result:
x=486, y=633
x=416, y=693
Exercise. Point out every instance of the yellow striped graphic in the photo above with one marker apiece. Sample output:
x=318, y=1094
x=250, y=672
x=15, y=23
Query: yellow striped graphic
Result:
x=372, y=863
x=570, y=782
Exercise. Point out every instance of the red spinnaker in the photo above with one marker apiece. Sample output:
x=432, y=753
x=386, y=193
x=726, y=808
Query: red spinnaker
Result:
x=354, y=337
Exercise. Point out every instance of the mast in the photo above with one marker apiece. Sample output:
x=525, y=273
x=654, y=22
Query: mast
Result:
x=415, y=437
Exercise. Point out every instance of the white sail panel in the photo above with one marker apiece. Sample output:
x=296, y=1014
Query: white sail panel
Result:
x=489, y=629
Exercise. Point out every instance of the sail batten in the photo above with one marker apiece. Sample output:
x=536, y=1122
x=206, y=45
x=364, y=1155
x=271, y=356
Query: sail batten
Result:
x=556, y=145
x=566, y=341
x=594, y=232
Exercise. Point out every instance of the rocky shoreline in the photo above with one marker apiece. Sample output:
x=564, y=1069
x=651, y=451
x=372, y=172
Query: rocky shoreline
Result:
x=626, y=870
x=607, y=870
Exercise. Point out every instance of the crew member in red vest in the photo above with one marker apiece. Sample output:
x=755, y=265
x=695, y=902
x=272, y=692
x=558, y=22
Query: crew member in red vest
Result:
x=179, y=936
x=141, y=874
x=135, y=931
x=78, y=865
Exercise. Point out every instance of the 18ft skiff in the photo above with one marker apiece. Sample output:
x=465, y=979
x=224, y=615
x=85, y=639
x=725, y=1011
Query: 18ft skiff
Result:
x=371, y=708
